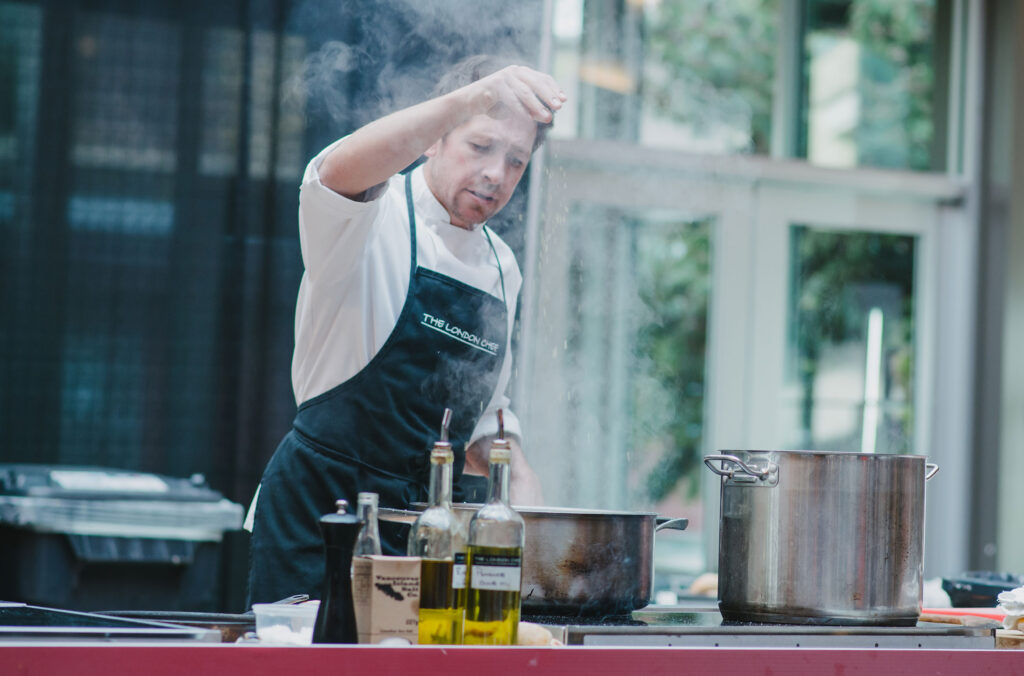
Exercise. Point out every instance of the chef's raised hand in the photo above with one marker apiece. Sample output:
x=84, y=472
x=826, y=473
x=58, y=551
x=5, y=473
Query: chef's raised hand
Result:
x=517, y=87
x=377, y=151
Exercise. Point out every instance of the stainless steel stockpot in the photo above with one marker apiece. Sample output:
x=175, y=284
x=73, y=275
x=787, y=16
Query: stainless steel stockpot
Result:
x=819, y=537
x=580, y=561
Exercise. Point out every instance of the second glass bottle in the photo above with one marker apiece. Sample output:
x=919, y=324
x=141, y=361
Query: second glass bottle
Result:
x=495, y=557
x=436, y=536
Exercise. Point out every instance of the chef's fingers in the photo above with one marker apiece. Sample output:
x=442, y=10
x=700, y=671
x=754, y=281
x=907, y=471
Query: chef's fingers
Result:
x=538, y=92
x=519, y=87
x=528, y=99
x=543, y=85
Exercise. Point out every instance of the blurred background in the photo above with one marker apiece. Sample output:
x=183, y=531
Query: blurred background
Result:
x=758, y=224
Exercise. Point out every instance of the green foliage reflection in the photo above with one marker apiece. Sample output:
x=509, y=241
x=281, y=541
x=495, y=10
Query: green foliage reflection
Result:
x=674, y=280
x=836, y=278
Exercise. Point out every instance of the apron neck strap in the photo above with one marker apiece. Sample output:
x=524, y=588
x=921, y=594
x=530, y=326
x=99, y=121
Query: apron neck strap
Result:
x=412, y=224
x=501, y=276
x=412, y=238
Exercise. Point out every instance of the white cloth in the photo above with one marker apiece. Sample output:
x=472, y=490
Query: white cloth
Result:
x=356, y=257
x=1012, y=604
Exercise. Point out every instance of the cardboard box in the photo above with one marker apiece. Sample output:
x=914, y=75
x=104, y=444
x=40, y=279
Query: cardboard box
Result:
x=386, y=593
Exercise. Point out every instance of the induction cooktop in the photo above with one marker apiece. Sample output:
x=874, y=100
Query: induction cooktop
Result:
x=20, y=621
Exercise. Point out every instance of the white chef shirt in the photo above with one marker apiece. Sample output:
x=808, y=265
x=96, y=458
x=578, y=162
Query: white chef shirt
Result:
x=356, y=278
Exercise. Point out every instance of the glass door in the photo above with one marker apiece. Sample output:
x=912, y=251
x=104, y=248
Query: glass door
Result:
x=679, y=305
x=613, y=362
x=841, y=289
x=860, y=339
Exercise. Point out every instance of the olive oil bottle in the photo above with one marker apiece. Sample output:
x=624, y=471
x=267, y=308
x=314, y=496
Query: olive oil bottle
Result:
x=435, y=537
x=494, y=558
x=459, y=577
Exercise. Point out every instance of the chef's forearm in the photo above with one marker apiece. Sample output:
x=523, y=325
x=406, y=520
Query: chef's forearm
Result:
x=382, y=148
x=476, y=457
x=524, y=484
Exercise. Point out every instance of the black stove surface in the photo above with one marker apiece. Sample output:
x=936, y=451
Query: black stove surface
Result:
x=22, y=621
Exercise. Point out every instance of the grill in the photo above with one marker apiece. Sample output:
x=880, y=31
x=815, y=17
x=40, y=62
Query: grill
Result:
x=87, y=538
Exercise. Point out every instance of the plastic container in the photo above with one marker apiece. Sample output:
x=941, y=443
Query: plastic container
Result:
x=286, y=623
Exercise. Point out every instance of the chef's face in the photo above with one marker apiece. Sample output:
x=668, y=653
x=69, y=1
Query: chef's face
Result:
x=474, y=169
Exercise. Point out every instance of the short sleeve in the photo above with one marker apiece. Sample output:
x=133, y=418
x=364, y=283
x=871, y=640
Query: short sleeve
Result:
x=333, y=229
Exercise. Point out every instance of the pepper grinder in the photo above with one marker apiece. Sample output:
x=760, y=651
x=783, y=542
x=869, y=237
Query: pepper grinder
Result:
x=336, y=618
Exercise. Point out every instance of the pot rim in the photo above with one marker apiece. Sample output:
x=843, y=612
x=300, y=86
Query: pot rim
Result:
x=549, y=511
x=820, y=452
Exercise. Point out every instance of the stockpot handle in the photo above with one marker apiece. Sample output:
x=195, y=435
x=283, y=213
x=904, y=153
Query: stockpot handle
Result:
x=397, y=515
x=930, y=470
x=671, y=524
x=744, y=468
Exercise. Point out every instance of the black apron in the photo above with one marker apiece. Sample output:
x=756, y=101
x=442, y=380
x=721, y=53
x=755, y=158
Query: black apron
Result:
x=374, y=431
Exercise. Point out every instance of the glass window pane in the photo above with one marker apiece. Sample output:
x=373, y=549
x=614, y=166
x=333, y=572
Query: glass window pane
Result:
x=20, y=63
x=102, y=400
x=620, y=357
x=222, y=84
x=223, y=53
x=672, y=267
x=126, y=74
x=850, y=348
x=869, y=81
x=694, y=76
x=708, y=75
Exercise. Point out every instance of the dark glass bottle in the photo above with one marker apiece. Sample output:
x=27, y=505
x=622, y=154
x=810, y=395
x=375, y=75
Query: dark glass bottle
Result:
x=336, y=619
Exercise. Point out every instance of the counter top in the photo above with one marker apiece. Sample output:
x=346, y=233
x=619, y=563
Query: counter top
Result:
x=112, y=659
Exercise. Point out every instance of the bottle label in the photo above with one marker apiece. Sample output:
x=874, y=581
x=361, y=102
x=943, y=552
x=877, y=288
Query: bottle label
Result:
x=459, y=571
x=496, y=572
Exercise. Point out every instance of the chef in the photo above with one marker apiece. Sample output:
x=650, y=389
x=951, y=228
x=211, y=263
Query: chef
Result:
x=405, y=308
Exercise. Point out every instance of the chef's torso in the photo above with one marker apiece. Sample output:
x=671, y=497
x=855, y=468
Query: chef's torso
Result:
x=357, y=277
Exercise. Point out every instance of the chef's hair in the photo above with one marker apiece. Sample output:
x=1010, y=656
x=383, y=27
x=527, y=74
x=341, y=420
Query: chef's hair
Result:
x=476, y=67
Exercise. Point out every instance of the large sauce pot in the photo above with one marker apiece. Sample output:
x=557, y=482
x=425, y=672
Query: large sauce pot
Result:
x=580, y=562
x=818, y=537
